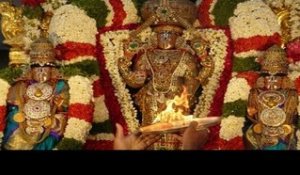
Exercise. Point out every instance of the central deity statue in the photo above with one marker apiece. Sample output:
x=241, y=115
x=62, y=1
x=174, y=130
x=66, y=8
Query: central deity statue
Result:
x=168, y=64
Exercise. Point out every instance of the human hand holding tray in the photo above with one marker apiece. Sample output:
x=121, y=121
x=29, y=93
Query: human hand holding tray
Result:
x=175, y=126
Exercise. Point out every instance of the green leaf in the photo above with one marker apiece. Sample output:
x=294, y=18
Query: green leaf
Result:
x=69, y=144
x=85, y=68
x=10, y=74
x=245, y=64
x=104, y=127
x=237, y=108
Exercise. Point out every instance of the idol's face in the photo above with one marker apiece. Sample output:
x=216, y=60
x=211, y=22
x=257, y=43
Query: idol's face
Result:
x=166, y=39
x=273, y=82
x=41, y=74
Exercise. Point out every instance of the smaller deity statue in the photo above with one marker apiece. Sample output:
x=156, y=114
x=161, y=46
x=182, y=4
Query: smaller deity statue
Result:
x=272, y=105
x=37, y=103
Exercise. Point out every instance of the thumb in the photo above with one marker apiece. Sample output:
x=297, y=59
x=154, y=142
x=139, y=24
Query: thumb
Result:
x=193, y=125
x=119, y=131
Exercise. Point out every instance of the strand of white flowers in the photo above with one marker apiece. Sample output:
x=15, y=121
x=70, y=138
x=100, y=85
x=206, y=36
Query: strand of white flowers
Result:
x=32, y=31
x=100, y=110
x=111, y=13
x=98, y=137
x=69, y=23
x=253, y=18
x=131, y=13
x=218, y=51
x=238, y=89
x=250, y=53
x=231, y=127
x=81, y=90
x=295, y=20
x=112, y=44
x=211, y=8
x=4, y=88
x=78, y=60
x=77, y=129
x=51, y=5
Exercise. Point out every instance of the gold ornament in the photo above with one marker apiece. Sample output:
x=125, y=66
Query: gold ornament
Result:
x=48, y=122
x=275, y=61
x=19, y=117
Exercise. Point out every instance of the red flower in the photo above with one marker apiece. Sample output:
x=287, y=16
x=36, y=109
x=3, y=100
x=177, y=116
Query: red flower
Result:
x=81, y=111
x=293, y=50
x=97, y=88
x=203, y=14
x=98, y=145
x=256, y=43
x=32, y=3
x=71, y=50
x=297, y=84
x=2, y=117
x=250, y=76
x=119, y=12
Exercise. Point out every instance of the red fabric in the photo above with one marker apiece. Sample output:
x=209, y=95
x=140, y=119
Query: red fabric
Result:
x=81, y=111
x=72, y=50
x=2, y=117
x=203, y=14
x=119, y=12
x=258, y=43
x=98, y=145
x=97, y=88
x=293, y=50
x=250, y=76
x=297, y=84
x=32, y=3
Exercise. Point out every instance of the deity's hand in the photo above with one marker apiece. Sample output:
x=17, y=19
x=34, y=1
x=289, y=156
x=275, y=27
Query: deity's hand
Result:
x=133, y=141
x=131, y=47
x=192, y=139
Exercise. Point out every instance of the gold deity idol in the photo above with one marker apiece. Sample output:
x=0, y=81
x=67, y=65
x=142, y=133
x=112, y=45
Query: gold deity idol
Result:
x=167, y=64
x=272, y=105
x=12, y=28
x=37, y=103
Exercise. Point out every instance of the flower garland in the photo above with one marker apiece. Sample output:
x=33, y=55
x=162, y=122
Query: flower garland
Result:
x=32, y=31
x=4, y=88
x=67, y=25
x=52, y=5
x=80, y=110
x=254, y=27
x=239, y=90
x=112, y=49
x=131, y=12
x=218, y=52
x=231, y=127
x=110, y=15
x=32, y=3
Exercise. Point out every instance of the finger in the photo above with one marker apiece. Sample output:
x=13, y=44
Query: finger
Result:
x=119, y=132
x=193, y=125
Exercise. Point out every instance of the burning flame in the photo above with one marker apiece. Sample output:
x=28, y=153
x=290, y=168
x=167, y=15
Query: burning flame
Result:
x=175, y=109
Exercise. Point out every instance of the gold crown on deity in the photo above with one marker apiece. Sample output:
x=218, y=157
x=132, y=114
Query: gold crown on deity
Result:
x=42, y=53
x=275, y=61
x=170, y=12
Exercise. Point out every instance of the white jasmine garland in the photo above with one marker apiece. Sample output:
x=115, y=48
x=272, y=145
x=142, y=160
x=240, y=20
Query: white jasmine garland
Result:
x=70, y=23
x=81, y=90
x=4, y=88
x=51, y=5
x=250, y=53
x=231, y=127
x=77, y=129
x=211, y=8
x=113, y=50
x=101, y=113
x=78, y=60
x=110, y=15
x=298, y=139
x=238, y=89
x=253, y=18
x=32, y=31
x=131, y=13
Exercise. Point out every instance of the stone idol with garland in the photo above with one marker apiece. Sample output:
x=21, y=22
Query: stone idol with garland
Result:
x=144, y=63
